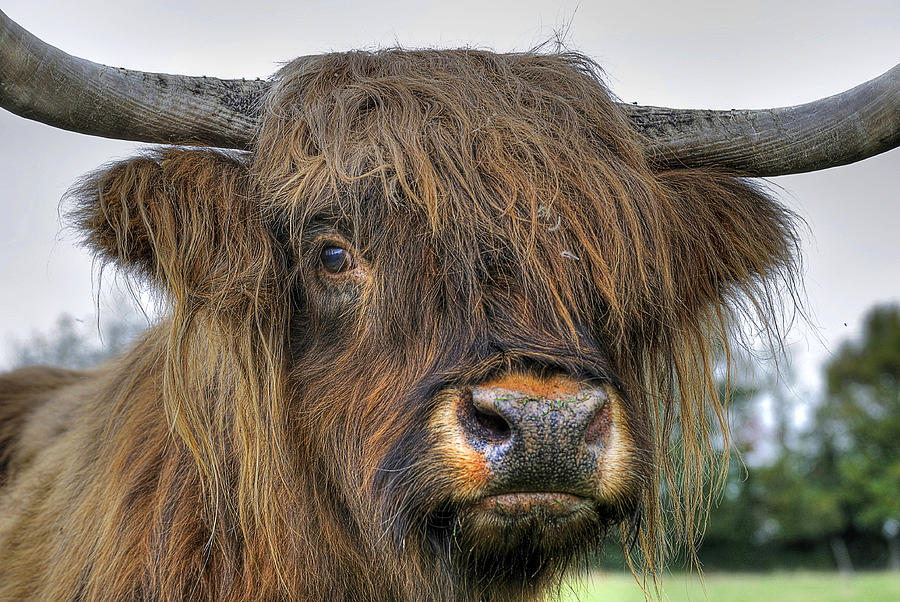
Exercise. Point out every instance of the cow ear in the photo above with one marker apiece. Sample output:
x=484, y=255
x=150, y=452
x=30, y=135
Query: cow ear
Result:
x=733, y=241
x=184, y=218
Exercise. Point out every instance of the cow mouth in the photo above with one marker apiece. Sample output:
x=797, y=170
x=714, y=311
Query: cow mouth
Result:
x=549, y=504
x=527, y=514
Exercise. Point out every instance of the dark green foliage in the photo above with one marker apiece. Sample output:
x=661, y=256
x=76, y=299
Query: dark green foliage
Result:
x=830, y=497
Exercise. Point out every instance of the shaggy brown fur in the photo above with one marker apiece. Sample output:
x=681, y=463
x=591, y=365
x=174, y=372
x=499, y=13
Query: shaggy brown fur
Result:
x=273, y=437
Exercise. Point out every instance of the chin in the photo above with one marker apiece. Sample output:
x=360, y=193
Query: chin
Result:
x=514, y=546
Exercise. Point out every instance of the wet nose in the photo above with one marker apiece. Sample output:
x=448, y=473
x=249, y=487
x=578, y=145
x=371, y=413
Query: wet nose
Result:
x=537, y=434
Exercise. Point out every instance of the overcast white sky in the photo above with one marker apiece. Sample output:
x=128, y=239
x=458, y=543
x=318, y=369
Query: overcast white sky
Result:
x=674, y=53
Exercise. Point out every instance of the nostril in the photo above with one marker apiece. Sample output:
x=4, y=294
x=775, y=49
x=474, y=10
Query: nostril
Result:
x=599, y=426
x=483, y=422
x=491, y=422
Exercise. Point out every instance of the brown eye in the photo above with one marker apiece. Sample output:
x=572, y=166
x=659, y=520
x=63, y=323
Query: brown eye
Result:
x=335, y=259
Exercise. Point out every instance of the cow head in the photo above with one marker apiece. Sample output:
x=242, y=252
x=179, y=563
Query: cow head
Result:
x=448, y=289
x=448, y=322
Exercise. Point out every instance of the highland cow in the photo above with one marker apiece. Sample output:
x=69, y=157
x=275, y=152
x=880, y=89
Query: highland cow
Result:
x=431, y=338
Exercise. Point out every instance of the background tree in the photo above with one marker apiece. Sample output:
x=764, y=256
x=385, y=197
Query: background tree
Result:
x=81, y=343
x=822, y=494
x=859, y=426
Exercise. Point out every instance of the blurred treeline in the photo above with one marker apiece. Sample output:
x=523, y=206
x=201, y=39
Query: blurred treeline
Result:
x=826, y=493
x=78, y=343
x=817, y=491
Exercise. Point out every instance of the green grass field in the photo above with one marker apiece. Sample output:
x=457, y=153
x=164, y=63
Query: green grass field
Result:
x=775, y=587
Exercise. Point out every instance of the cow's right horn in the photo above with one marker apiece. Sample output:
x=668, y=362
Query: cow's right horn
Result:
x=43, y=83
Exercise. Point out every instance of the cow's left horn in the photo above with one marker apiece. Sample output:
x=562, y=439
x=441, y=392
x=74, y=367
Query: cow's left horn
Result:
x=41, y=82
x=853, y=125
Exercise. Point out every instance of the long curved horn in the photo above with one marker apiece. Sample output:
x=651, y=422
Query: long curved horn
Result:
x=853, y=125
x=43, y=83
x=40, y=82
